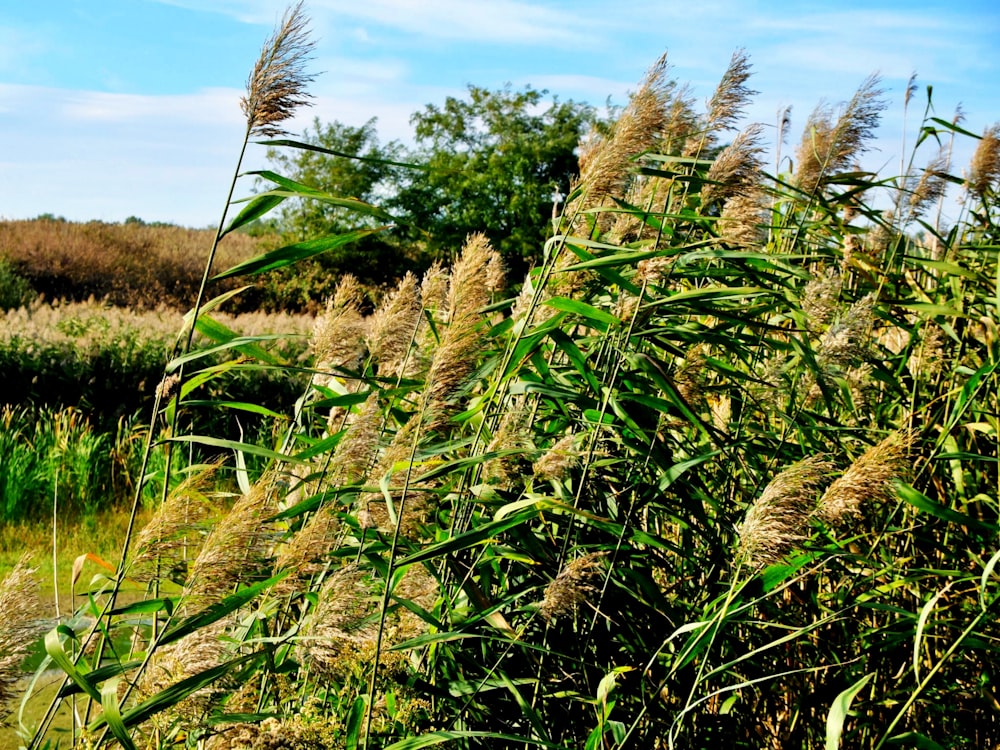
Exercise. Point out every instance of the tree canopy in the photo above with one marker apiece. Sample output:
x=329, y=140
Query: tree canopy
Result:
x=488, y=162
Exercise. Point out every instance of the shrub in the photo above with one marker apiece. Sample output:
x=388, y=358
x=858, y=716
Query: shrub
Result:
x=15, y=290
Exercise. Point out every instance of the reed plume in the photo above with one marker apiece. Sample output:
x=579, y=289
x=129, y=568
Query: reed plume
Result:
x=173, y=535
x=205, y=648
x=931, y=357
x=355, y=453
x=277, y=85
x=237, y=550
x=778, y=519
x=575, y=584
x=393, y=326
x=511, y=434
x=985, y=166
x=343, y=627
x=339, y=343
x=339, y=335
x=605, y=165
x=819, y=299
x=455, y=357
x=556, y=463
x=341, y=633
x=737, y=168
x=784, y=125
x=23, y=622
x=744, y=218
x=847, y=339
x=870, y=479
x=827, y=147
x=931, y=185
x=308, y=551
x=433, y=316
x=731, y=95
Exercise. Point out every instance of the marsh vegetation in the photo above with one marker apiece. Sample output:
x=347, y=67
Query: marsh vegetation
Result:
x=720, y=470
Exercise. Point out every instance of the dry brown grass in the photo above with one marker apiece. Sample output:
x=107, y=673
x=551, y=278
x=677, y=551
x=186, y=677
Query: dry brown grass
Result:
x=89, y=327
x=132, y=265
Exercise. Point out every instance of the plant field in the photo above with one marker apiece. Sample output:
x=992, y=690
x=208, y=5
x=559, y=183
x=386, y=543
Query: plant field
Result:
x=721, y=473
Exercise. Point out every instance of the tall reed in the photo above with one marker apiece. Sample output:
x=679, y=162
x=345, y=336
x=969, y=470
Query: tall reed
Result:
x=709, y=478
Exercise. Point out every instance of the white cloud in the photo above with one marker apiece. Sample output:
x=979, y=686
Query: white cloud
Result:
x=507, y=21
x=205, y=106
x=91, y=155
x=593, y=89
x=499, y=21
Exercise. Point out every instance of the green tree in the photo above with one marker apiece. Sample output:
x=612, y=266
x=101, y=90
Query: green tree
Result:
x=361, y=173
x=362, y=170
x=494, y=159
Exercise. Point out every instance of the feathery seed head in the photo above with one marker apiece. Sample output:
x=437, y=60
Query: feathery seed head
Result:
x=307, y=552
x=167, y=386
x=736, y=168
x=342, y=625
x=277, y=85
x=558, y=460
x=605, y=166
x=356, y=450
x=744, y=218
x=22, y=623
x=911, y=89
x=653, y=270
x=496, y=275
x=511, y=434
x=238, y=548
x=871, y=478
x=827, y=147
x=681, y=120
x=819, y=299
x=574, y=585
x=339, y=333
x=434, y=291
x=930, y=359
x=455, y=356
x=172, y=536
x=691, y=375
x=203, y=649
x=777, y=520
x=732, y=95
x=984, y=169
x=784, y=123
x=393, y=327
x=931, y=185
x=812, y=153
x=847, y=339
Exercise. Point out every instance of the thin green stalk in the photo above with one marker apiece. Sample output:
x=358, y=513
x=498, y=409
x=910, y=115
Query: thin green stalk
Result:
x=904, y=709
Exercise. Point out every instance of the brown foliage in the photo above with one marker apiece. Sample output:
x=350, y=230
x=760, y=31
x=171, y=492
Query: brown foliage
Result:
x=133, y=265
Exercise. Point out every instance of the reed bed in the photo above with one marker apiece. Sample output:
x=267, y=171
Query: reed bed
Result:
x=723, y=474
x=129, y=265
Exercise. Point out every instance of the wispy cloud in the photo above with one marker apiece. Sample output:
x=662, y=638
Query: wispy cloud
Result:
x=570, y=85
x=93, y=155
x=497, y=21
x=17, y=45
x=506, y=21
x=206, y=106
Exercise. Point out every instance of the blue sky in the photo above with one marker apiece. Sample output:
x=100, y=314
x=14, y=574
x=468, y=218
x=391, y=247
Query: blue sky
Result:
x=113, y=108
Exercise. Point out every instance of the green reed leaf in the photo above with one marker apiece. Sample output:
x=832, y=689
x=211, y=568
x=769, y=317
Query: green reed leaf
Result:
x=839, y=710
x=290, y=254
x=112, y=714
